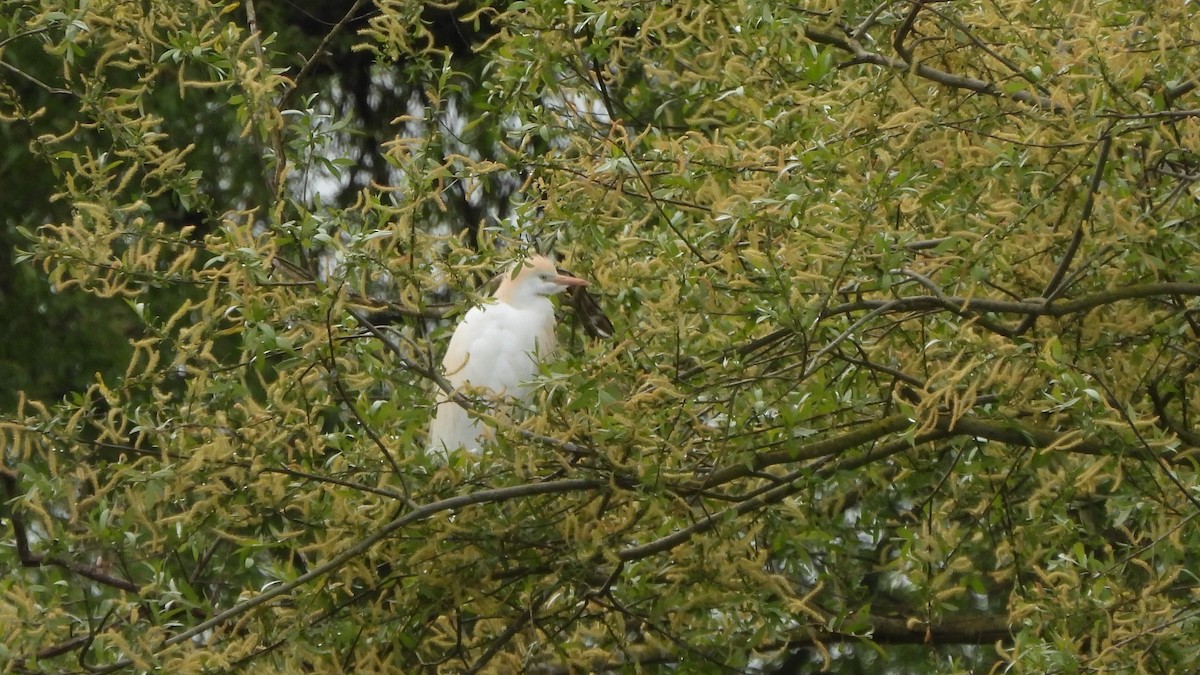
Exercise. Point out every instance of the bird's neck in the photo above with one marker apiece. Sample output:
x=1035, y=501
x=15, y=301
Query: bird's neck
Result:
x=521, y=300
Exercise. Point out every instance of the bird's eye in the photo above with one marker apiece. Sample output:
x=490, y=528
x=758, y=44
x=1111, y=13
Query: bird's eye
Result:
x=545, y=277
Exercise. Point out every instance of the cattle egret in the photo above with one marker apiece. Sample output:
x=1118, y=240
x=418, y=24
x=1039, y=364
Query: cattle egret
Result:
x=496, y=347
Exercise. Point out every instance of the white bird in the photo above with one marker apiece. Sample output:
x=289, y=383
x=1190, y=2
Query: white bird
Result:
x=497, y=347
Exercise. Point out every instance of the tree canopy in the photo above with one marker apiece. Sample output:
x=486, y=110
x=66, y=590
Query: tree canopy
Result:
x=902, y=372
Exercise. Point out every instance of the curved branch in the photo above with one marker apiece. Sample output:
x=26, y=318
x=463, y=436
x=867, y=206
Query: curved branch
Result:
x=961, y=629
x=1172, y=93
x=946, y=426
x=966, y=425
x=319, y=52
x=363, y=545
x=30, y=559
x=1055, y=287
x=1037, y=307
x=1159, y=400
x=905, y=29
x=869, y=22
x=861, y=55
x=809, y=450
x=969, y=629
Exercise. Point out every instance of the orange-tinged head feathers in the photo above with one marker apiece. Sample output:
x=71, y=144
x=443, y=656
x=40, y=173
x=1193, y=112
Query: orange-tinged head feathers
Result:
x=535, y=276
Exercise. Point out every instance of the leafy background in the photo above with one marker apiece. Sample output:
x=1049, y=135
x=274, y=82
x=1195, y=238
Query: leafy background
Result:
x=902, y=376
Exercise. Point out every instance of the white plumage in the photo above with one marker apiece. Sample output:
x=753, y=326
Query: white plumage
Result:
x=497, y=347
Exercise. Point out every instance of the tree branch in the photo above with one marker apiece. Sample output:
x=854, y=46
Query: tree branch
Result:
x=320, y=50
x=872, y=18
x=30, y=559
x=970, y=629
x=807, y=451
x=1172, y=93
x=1039, y=306
x=852, y=46
x=903, y=31
x=946, y=426
x=1055, y=286
x=331, y=369
x=955, y=629
x=1159, y=400
x=363, y=545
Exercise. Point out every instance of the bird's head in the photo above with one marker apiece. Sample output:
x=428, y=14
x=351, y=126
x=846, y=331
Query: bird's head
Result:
x=532, y=277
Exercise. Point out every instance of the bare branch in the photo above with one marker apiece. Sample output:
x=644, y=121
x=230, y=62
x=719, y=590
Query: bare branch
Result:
x=34, y=80
x=808, y=450
x=982, y=46
x=331, y=368
x=1157, y=114
x=945, y=427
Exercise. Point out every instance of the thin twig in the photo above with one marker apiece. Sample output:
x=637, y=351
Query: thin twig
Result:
x=43, y=85
x=814, y=366
x=332, y=370
x=861, y=29
x=24, y=33
x=311, y=61
x=275, y=137
x=1055, y=286
x=637, y=169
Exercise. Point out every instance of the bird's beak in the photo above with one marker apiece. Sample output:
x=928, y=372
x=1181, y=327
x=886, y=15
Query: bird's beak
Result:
x=568, y=281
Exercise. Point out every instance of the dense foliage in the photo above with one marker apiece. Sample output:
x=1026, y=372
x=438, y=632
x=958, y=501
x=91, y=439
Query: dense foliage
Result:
x=903, y=372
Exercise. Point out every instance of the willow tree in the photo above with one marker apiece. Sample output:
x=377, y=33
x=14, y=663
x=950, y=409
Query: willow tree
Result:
x=903, y=368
